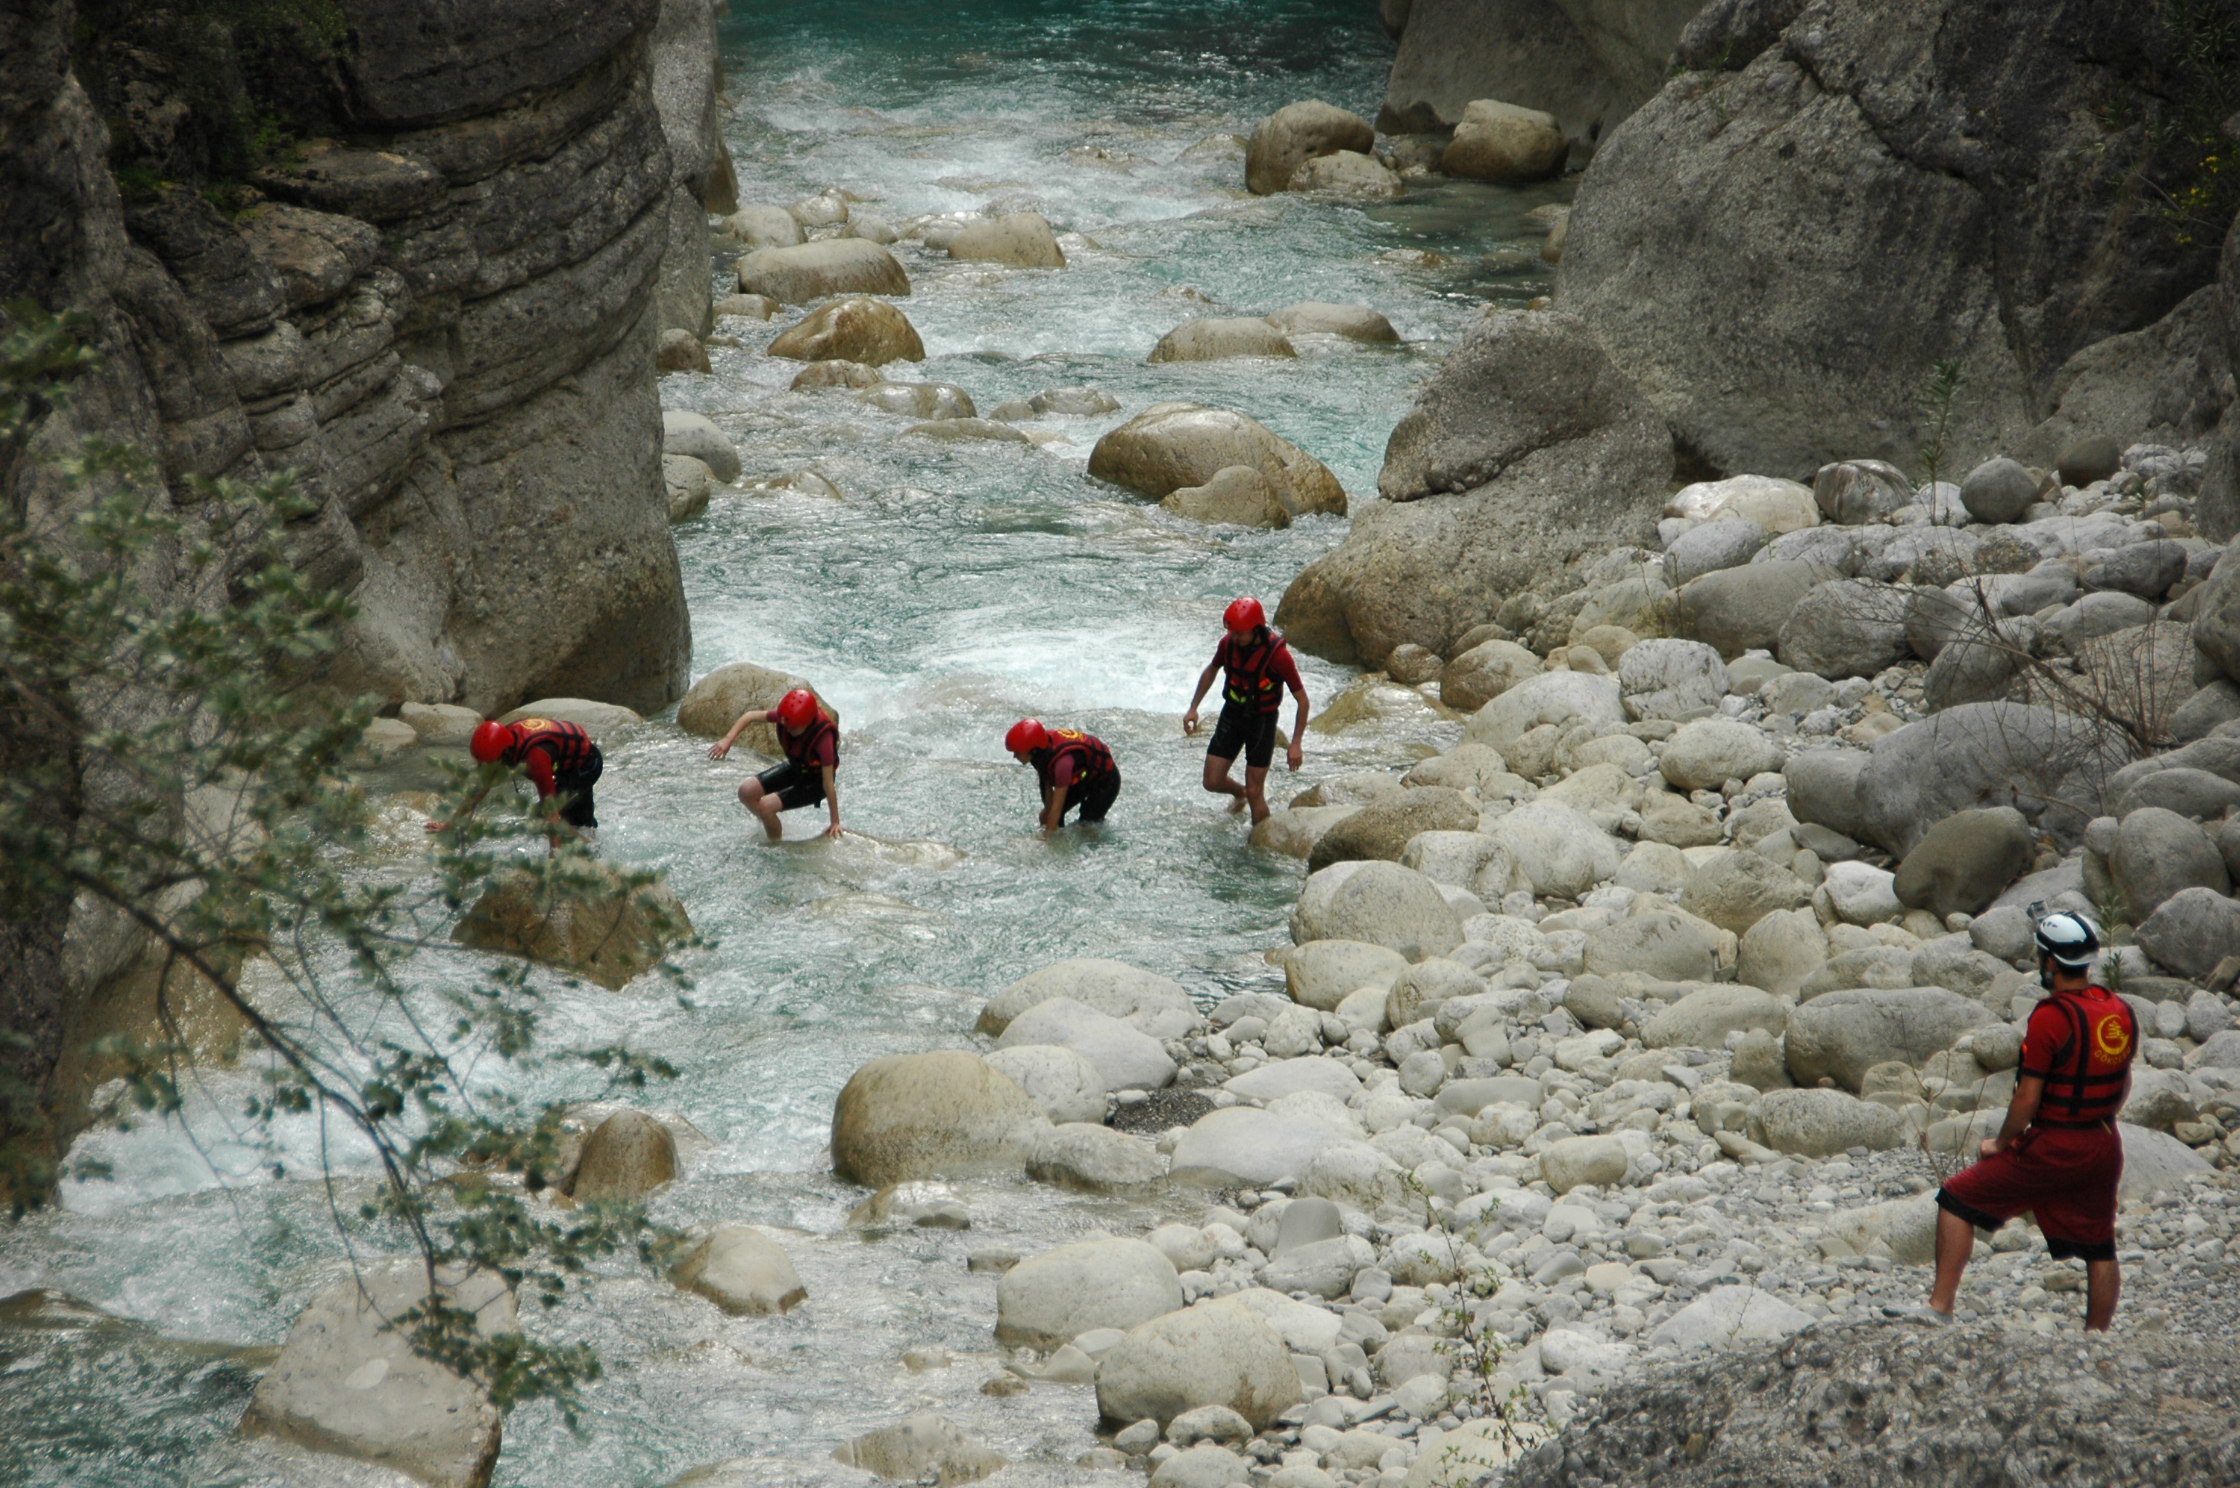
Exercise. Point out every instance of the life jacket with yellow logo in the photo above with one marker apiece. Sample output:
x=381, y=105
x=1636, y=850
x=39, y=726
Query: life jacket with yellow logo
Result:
x=2085, y=1085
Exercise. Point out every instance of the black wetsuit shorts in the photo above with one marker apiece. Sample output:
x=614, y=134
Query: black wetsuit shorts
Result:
x=1241, y=729
x=794, y=785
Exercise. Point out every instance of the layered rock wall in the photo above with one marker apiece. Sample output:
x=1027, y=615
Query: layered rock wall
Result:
x=441, y=315
x=410, y=250
x=1836, y=197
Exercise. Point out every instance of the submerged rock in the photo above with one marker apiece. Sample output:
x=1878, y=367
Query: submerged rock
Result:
x=1022, y=240
x=1213, y=338
x=742, y=1271
x=349, y=1383
x=921, y=1449
x=812, y=271
x=607, y=930
x=1172, y=445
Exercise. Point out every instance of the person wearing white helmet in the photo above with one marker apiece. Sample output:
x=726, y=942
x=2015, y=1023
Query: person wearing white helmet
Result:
x=2057, y=1156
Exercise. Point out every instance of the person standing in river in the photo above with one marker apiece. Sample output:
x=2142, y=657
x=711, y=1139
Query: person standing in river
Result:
x=2058, y=1156
x=1259, y=667
x=810, y=739
x=1071, y=769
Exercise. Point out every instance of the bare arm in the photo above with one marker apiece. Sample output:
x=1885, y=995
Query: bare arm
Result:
x=1205, y=680
x=2021, y=1111
x=746, y=721
x=1296, y=754
x=1054, y=808
x=832, y=798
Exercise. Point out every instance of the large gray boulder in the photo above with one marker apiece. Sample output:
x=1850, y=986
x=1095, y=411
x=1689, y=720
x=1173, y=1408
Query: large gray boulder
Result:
x=1067, y=1087
x=1842, y=144
x=1380, y=903
x=1742, y=609
x=1965, y=861
x=1216, y=1353
x=1125, y=1056
x=1526, y=453
x=1505, y=144
x=1848, y=628
x=1022, y=240
x=1243, y=1144
x=2158, y=854
x=2192, y=931
x=1382, y=829
x=1169, y=446
x=1154, y=1004
x=1704, y=1018
x=1588, y=64
x=1842, y=1035
x=934, y=1115
x=1551, y=697
x=1296, y=134
x=1728, y=542
x=1674, y=679
x=1976, y=755
x=1484, y=672
x=347, y=1382
x=1054, y=1297
x=1704, y=755
x=1822, y=1123
x=812, y=271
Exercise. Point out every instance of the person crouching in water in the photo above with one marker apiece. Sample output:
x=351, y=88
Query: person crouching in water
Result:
x=560, y=760
x=1259, y=668
x=2058, y=1155
x=1071, y=768
x=811, y=772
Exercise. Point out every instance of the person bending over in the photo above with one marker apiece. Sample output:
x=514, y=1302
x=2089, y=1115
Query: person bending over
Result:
x=560, y=760
x=810, y=740
x=2058, y=1155
x=1070, y=767
x=1259, y=667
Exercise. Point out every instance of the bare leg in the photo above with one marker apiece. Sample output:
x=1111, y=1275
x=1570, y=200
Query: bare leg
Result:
x=1218, y=781
x=1956, y=1241
x=1256, y=792
x=2103, y=1284
x=764, y=805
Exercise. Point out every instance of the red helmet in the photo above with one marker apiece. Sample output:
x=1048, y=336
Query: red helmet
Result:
x=490, y=742
x=796, y=709
x=1026, y=736
x=1244, y=614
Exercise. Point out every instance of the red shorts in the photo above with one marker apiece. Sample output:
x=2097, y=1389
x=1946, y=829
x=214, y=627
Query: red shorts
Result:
x=2066, y=1176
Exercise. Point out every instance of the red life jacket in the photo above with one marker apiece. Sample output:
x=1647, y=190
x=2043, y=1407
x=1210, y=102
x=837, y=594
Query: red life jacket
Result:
x=2085, y=1087
x=1091, y=759
x=1252, y=682
x=801, y=748
x=566, y=745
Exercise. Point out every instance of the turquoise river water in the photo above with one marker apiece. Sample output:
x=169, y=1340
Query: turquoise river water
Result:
x=957, y=586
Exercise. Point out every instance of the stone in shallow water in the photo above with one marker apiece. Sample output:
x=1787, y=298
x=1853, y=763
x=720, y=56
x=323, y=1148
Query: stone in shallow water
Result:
x=346, y=1382
x=921, y=1449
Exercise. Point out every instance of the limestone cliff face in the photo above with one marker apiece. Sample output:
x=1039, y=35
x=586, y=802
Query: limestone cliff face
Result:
x=417, y=251
x=1588, y=62
x=440, y=311
x=1836, y=195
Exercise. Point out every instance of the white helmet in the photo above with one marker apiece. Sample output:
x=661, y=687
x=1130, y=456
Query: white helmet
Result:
x=2070, y=938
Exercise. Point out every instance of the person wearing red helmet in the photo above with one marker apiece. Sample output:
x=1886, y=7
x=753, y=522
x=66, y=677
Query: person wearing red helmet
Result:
x=810, y=739
x=1259, y=667
x=1071, y=767
x=560, y=758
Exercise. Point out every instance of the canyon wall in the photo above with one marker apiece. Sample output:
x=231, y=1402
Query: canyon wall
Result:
x=417, y=252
